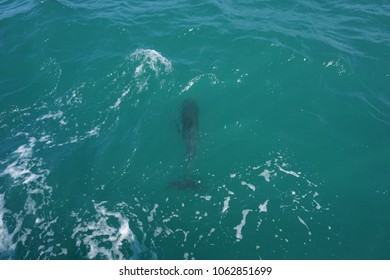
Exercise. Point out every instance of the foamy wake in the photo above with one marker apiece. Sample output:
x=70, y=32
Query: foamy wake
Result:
x=22, y=166
x=104, y=241
x=25, y=171
x=7, y=246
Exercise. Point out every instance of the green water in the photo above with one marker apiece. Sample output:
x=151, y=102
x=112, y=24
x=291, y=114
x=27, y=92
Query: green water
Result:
x=293, y=143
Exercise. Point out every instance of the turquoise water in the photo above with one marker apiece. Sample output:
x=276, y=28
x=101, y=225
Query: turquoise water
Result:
x=293, y=144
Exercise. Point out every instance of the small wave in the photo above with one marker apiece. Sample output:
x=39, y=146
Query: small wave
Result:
x=150, y=59
x=14, y=8
x=141, y=71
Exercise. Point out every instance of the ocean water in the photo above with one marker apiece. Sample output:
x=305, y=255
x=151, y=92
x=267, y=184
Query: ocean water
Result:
x=293, y=145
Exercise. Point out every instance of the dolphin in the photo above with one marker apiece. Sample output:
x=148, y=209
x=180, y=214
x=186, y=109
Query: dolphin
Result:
x=189, y=130
x=190, y=125
x=185, y=184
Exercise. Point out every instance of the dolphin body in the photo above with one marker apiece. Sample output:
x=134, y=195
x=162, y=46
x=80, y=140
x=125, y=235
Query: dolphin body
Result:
x=190, y=125
x=185, y=184
x=189, y=130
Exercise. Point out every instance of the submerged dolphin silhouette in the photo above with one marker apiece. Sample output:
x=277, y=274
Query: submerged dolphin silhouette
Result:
x=190, y=124
x=189, y=131
x=185, y=184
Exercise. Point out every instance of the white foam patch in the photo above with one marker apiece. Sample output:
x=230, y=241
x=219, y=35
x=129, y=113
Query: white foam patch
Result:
x=94, y=132
x=21, y=168
x=6, y=243
x=252, y=187
x=226, y=204
x=185, y=234
x=266, y=174
x=45, y=138
x=318, y=206
x=7, y=236
x=28, y=174
x=212, y=230
x=152, y=213
x=263, y=207
x=75, y=97
x=157, y=231
x=206, y=197
x=104, y=240
x=239, y=227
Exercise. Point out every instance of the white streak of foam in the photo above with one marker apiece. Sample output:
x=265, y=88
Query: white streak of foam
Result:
x=169, y=218
x=120, y=99
x=45, y=138
x=318, y=206
x=226, y=204
x=206, y=197
x=311, y=184
x=212, y=77
x=263, y=207
x=239, y=227
x=288, y=171
x=303, y=223
x=51, y=115
x=330, y=63
x=190, y=84
x=252, y=187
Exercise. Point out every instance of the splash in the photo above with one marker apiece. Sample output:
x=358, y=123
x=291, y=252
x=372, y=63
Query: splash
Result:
x=150, y=59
